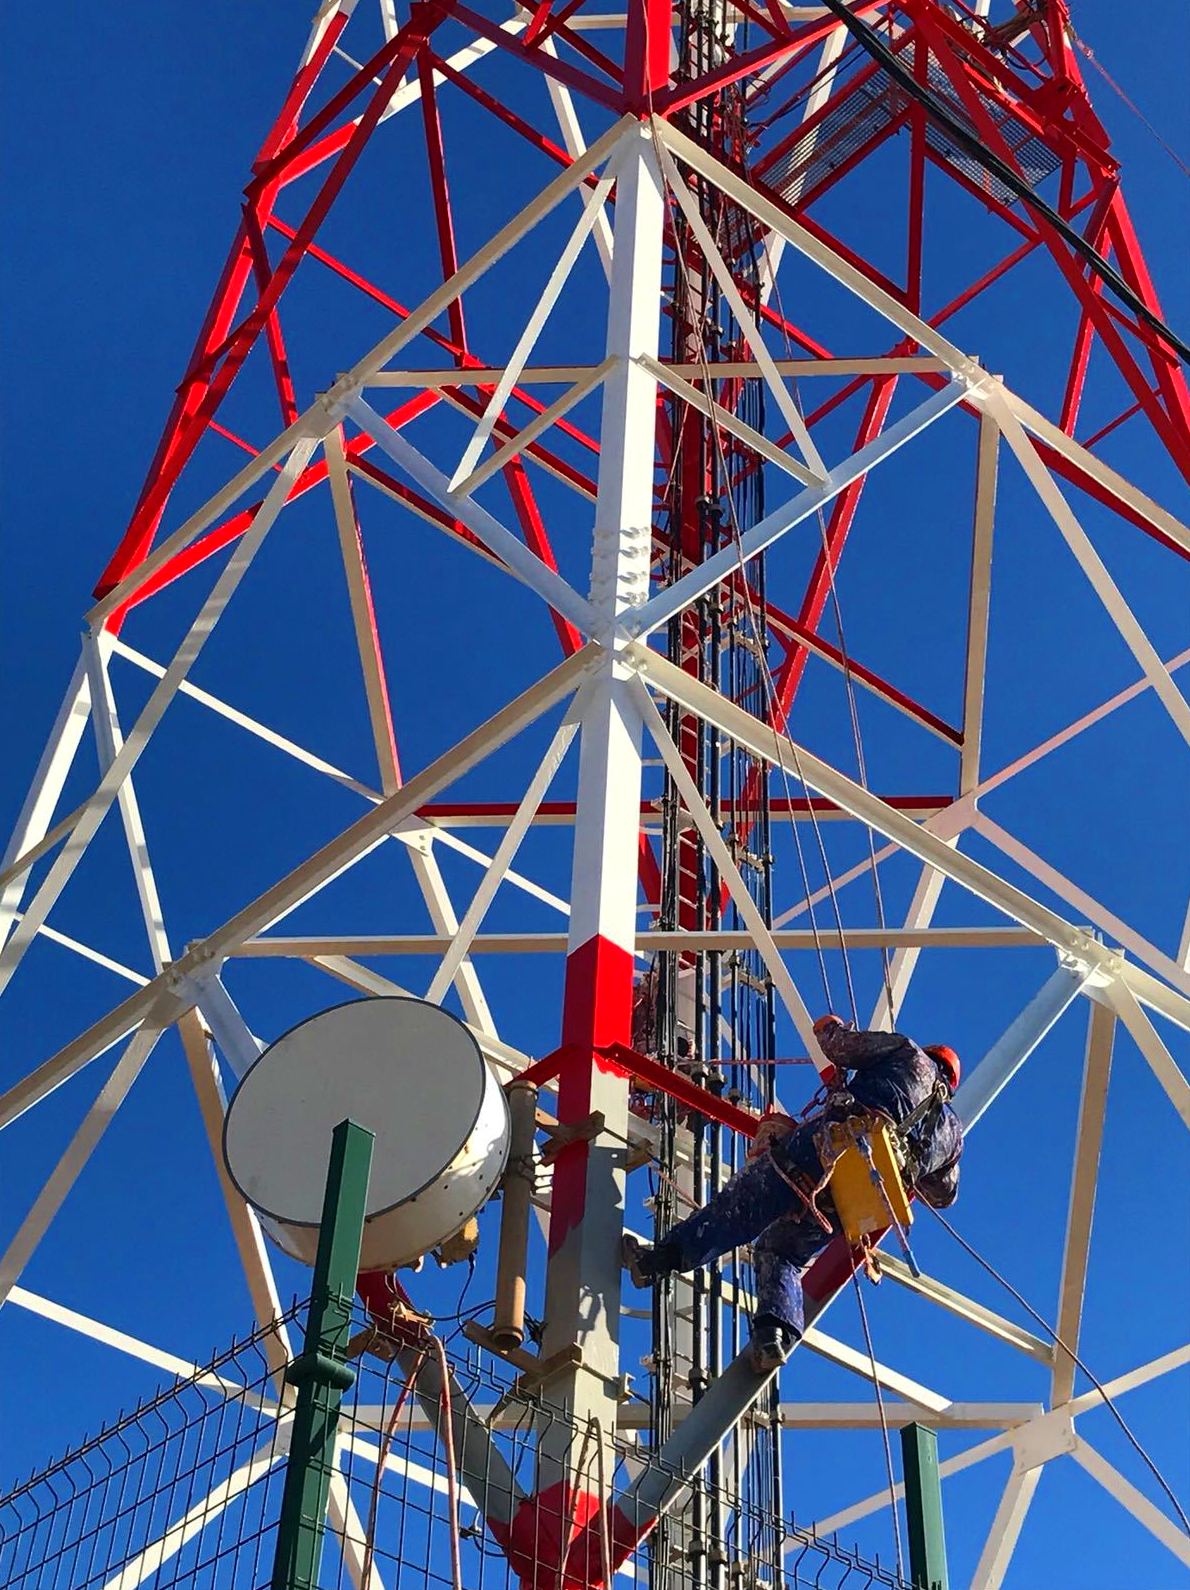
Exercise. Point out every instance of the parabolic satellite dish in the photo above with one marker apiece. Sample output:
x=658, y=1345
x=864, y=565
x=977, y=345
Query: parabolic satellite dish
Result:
x=415, y=1077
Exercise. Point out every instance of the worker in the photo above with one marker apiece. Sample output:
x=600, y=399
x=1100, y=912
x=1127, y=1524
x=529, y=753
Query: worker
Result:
x=780, y=1200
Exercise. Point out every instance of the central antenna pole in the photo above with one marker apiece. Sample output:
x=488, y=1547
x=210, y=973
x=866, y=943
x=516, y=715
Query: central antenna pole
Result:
x=587, y=1208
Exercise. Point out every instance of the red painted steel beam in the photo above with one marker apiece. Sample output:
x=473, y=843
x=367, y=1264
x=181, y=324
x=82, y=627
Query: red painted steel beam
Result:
x=794, y=44
x=204, y=391
x=137, y=539
x=646, y=54
x=1176, y=437
x=466, y=361
x=282, y=375
x=440, y=196
x=551, y=65
x=811, y=640
x=838, y=528
x=267, y=173
x=506, y=114
x=1170, y=375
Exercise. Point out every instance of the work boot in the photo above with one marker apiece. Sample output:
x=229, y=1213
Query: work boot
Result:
x=637, y=1258
x=770, y=1346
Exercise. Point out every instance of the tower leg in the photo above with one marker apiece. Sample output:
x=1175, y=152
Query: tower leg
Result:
x=586, y=1223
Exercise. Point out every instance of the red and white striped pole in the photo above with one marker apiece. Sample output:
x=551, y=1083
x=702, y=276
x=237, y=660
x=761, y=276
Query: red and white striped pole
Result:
x=586, y=1221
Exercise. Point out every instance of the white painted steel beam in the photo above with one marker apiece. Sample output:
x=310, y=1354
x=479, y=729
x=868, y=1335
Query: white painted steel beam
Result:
x=326, y=411
x=160, y=996
x=1093, y=566
x=793, y=1416
x=649, y=941
x=966, y=1308
x=978, y=601
x=153, y=1558
x=363, y=616
x=45, y=790
x=245, y=1225
x=582, y=1291
x=1006, y=1528
x=1163, y=1065
x=1131, y=1379
x=1124, y=1492
x=109, y=741
x=87, y=952
x=904, y=962
x=1102, y=473
x=505, y=853
x=847, y=1516
x=512, y=552
x=542, y=308
x=107, y=1335
x=1088, y=1140
x=916, y=839
x=705, y=403
x=413, y=834
x=692, y=800
x=951, y=820
x=446, y=924
x=859, y=1363
x=575, y=145
x=657, y=612
x=240, y=1045
x=743, y=314
x=720, y=370
x=350, y=1534
x=849, y=276
x=82, y=1145
x=1004, y=1059
x=1085, y=904
x=98, y=804
x=516, y=445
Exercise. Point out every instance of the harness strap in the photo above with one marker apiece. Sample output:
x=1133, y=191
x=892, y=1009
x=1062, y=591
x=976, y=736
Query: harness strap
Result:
x=934, y=1099
x=930, y=1105
x=807, y=1193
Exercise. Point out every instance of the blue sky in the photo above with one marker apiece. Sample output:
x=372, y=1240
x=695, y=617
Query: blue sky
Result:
x=128, y=145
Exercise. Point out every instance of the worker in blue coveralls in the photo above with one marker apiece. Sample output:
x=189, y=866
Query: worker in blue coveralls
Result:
x=779, y=1202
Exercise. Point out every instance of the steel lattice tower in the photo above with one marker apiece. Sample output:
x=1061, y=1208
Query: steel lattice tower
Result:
x=690, y=407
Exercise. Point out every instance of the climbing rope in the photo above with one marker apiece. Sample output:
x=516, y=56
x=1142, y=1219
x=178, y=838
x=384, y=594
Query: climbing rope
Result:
x=779, y=720
x=1085, y=49
x=879, y=1394
x=848, y=674
x=779, y=716
x=1071, y=1354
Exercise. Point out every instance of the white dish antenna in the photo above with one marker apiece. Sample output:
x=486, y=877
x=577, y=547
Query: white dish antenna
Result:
x=415, y=1077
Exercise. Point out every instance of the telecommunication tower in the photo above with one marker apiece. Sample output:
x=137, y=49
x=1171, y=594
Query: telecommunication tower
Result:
x=695, y=342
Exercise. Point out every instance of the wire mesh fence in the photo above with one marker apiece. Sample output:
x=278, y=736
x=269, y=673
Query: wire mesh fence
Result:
x=185, y=1490
x=181, y=1490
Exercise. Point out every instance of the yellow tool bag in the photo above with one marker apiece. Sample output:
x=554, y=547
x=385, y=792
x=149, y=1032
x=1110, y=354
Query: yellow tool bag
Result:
x=862, y=1207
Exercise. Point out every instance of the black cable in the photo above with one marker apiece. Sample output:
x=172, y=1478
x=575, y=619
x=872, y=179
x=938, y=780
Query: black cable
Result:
x=934, y=107
x=1070, y=1353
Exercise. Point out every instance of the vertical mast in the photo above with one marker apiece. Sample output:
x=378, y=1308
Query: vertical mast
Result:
x=586, y=1223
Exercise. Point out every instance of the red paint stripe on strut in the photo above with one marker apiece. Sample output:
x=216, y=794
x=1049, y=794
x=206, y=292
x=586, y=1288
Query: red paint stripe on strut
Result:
x=596, y=1011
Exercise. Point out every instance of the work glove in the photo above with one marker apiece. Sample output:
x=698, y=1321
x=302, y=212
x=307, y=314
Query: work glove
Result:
x=774, y=1125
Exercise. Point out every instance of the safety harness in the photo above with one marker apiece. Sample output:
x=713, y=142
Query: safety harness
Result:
x=938, y=1095
x=869, y=1159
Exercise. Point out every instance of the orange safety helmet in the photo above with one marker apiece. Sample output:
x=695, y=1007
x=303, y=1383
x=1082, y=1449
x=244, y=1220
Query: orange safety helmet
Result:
x=947, y=1062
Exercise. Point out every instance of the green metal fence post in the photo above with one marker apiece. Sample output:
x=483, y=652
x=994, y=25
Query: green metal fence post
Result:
x=321, y=1374
x=923, y=1506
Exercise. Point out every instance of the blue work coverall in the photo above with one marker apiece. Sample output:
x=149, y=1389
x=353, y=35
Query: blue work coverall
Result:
x=890, y=1074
